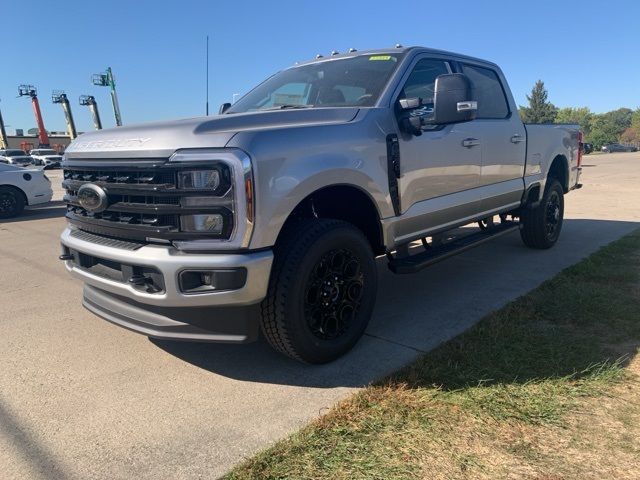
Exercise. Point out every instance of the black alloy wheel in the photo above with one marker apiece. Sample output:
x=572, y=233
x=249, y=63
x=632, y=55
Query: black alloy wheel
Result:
x=321, y=292
x=333, y=294
x=11, y=202
x=552, y=215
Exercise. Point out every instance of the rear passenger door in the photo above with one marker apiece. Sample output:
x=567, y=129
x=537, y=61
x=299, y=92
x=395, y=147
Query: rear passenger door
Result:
x=502, y=136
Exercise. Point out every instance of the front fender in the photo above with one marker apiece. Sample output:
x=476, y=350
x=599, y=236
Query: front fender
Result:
x=289, y=166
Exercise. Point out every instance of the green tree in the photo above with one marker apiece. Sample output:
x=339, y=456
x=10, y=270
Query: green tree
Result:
x=632, y=134
x=582, y=116
x=540, y=110
x=635, y=119
x=609, y=127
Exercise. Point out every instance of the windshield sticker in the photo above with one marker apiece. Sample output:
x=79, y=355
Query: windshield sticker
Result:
x=381, y=57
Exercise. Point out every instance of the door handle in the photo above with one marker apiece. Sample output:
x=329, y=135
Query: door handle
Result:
x=470, y=142
x=517, y=138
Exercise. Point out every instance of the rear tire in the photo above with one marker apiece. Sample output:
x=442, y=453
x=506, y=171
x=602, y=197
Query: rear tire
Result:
x=542, y=224
x=321, y=292
x=11, y=202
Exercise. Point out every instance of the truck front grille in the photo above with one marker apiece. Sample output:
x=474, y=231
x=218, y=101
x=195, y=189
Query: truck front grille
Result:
x=144, y=203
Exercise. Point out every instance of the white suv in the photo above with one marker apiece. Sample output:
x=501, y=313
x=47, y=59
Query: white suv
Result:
x=15, y=156
x=46, y=157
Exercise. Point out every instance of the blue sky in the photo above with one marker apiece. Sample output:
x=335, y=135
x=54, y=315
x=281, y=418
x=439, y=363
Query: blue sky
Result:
x=587, y=52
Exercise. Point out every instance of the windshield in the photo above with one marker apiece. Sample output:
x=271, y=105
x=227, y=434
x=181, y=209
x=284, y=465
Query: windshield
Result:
x=345, y=82
x=14, y=153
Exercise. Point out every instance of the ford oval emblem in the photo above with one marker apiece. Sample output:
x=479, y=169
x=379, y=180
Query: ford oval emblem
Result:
x=93, y=198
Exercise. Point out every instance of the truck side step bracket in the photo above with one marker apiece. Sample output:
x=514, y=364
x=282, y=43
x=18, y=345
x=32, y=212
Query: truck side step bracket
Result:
x=435, y=254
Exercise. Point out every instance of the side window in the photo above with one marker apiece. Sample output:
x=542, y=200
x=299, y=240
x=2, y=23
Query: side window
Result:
x=422, y=80
x=488, y=91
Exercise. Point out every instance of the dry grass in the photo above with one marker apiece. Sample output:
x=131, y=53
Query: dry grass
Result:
x=546, y=388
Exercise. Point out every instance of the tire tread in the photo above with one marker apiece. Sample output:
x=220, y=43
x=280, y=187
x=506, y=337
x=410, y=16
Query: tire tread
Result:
x=289, y=252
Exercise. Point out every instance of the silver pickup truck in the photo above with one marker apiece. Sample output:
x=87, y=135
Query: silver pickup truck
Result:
x=270, y=215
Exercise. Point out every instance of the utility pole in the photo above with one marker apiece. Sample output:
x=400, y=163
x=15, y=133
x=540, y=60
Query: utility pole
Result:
x=4, y=143
x=106, y=80
x=58, y=96
x=90, y=101
x=30, y=91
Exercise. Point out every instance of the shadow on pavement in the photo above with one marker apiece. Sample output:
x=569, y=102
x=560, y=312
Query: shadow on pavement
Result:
x=415, y=313
x=39, y=212
x=29, y=445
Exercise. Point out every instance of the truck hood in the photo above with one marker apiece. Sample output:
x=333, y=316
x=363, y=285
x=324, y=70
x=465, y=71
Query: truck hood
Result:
x=161, y=139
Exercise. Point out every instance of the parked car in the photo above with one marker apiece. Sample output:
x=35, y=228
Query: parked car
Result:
x=46, y=157
x=587, y=148
x=270, y=215
x=15, y=157
x=20, y=187
x=618, y=147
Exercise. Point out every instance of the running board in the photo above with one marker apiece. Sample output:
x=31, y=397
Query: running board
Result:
x=415, y=263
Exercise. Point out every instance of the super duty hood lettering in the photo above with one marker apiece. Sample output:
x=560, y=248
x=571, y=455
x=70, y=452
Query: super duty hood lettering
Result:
x=110, y=143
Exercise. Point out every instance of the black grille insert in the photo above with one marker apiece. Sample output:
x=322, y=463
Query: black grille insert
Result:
x=144, y=203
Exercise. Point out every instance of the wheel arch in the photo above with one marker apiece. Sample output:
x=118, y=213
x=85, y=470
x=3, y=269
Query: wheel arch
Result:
x=18, y=189
x=559, y=169
x=341, y=201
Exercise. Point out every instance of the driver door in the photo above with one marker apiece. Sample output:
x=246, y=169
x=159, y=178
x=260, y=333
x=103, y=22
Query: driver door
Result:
x=439, y=168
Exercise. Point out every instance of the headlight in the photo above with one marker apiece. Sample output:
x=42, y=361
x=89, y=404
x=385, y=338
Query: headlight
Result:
x=199, y=180
x=212, y=223
x=217, y=202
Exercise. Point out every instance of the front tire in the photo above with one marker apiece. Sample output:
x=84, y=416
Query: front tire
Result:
x=322, y=290
x=11, y=202
x=542, y=224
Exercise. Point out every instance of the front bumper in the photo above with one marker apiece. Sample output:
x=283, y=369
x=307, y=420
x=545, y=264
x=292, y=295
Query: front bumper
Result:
x=169, y=313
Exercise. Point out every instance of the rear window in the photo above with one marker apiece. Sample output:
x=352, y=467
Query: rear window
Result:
x=14, y=153
x=44, y=152
x=9, y=168
x=488, y=92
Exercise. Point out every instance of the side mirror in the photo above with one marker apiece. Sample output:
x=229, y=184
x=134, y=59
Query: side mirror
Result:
x=223, y=108
x=415, y=114
x=453, y=99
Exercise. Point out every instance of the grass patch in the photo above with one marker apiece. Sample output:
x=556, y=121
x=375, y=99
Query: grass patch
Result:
x=523, y=393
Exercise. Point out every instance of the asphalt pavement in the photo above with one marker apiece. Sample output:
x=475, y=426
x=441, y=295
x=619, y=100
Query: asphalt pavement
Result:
x=83, y=399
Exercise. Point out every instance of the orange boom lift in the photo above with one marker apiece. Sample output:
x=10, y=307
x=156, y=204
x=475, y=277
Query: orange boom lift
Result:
x=30, y=90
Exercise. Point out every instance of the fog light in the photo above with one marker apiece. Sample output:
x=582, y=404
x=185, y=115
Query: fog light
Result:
x=202, y=281
x=203, y=223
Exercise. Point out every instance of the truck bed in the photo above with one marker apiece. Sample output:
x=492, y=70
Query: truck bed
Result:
x=547, y=141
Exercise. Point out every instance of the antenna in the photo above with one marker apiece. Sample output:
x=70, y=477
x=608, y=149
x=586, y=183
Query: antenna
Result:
x=207, y=109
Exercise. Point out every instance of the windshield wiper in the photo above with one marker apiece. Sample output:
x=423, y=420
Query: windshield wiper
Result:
x=286, y=106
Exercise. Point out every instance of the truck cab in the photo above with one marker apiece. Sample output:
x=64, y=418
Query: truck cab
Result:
x=268, y=217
